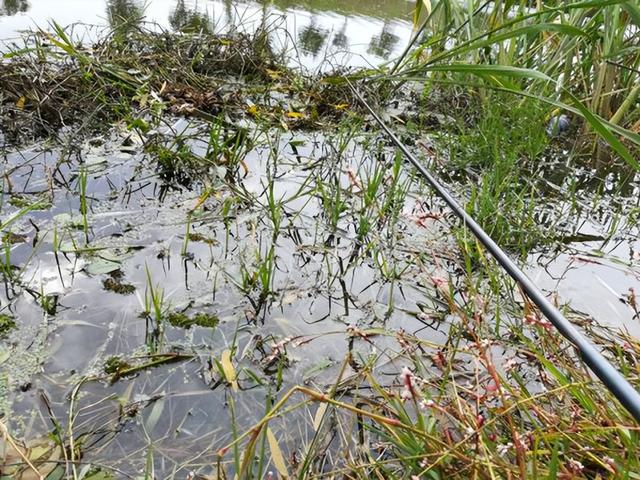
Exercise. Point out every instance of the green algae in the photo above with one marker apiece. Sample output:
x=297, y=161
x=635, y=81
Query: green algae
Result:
x=198, y=237
x=114, y=283
x=114, y=365
x=7, y=323
x=182, y=320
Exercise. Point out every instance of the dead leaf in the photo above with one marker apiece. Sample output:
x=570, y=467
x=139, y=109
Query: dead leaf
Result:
x=276, y=455
x=295, y=115
x=229, y=371
x=273, y=74
x=317, y=420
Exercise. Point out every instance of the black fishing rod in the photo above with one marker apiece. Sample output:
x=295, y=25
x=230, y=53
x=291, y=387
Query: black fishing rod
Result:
x=612, y=378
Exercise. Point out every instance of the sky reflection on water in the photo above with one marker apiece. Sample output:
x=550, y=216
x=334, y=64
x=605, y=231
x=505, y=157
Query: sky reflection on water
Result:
x=317, y=33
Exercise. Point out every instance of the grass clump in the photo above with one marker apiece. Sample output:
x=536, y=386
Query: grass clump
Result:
x=504, y=131
x=95, y=84
x=499, y=154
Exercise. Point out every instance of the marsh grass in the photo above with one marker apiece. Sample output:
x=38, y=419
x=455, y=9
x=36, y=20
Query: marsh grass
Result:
x=502, y=396
x=497, y=158
x=576, y=56
x=497, y=396
x=155, y=310
x=512, y=401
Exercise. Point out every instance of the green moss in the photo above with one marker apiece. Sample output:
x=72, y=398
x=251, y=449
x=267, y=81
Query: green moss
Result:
x=181, y=320
x=117, y=286
x=23, y=201
x=7, y=323
x=198, y=237
x=115, y=365
x=13, y=238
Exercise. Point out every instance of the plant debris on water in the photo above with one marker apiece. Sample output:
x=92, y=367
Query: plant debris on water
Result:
x=182, y=320
x=115, y=283
x=7, y=323
x=201, y=76
x=215, y=266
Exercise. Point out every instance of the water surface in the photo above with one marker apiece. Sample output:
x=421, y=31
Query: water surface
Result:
x=316, y=32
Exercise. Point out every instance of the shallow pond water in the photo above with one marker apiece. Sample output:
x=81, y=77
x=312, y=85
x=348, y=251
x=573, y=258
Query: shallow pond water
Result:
x=203, y=250
x=315, y=33
x=204, y=256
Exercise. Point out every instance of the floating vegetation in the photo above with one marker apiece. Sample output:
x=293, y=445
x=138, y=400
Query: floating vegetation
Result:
x=7, y=323
x=182, y=320
x=13, y=238
x=54, y=81
x=198, y=237
x=119, y=368
x=114, y=283
x=22, y=201
x=115, y=364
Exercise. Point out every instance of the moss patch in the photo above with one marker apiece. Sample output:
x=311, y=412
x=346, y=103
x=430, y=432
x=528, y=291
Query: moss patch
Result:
x=182, y=320
x=115, y=365
x=114, y=283
x=198, y=237
x=7, y=323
